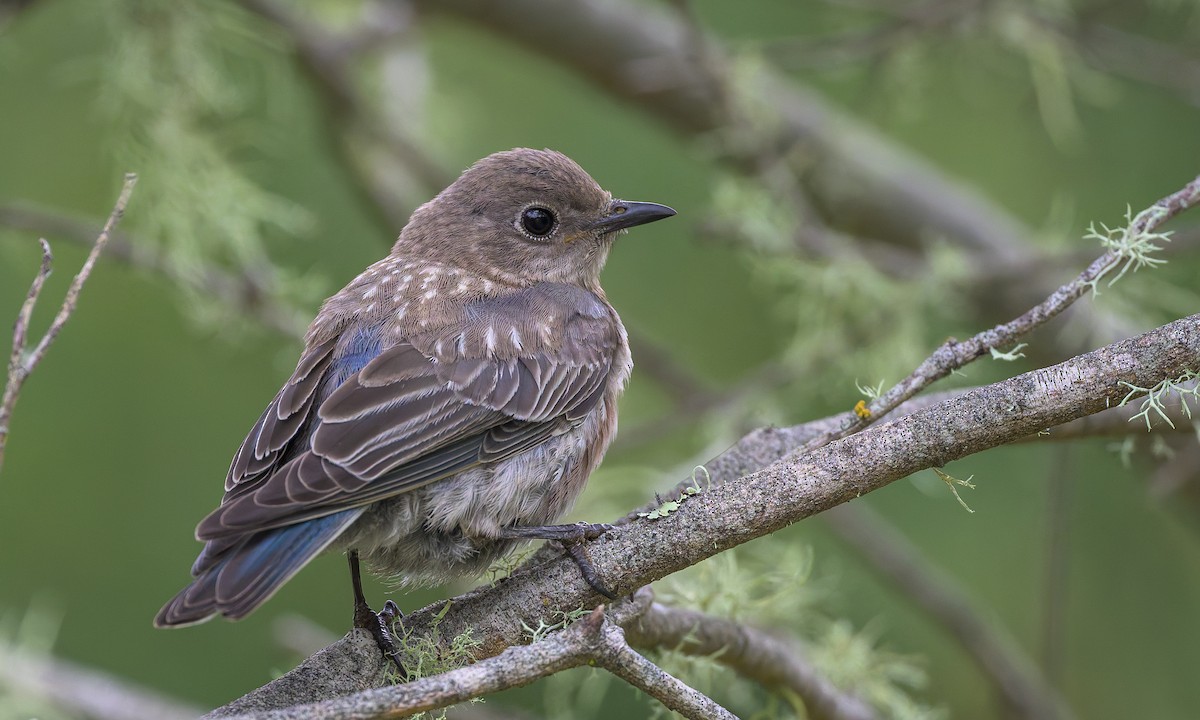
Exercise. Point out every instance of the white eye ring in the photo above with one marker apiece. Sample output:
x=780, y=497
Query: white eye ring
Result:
x=537, y=222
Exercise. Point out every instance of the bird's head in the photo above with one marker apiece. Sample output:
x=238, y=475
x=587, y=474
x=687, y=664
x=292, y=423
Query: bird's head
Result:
x=524, y=216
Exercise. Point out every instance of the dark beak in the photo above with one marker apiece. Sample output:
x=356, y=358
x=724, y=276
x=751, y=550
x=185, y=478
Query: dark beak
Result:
x=624, y=214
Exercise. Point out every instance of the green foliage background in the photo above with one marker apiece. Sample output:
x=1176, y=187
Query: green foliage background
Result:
x=122, y=437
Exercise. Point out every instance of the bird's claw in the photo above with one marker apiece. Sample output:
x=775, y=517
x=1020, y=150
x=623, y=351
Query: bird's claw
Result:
x=592, y=531
x=587, y=570
x=379, y=625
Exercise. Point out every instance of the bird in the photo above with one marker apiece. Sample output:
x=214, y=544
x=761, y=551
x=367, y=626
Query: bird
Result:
x=449, y=404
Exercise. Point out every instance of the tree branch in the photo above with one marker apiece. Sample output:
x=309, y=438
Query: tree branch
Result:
x=241, y=291
x=594, y=639
x=21, y=365
x=763, y=484
x=752, y=653
x=954, y=354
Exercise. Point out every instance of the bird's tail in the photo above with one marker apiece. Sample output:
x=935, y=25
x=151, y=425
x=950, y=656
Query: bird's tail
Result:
x=247, y=574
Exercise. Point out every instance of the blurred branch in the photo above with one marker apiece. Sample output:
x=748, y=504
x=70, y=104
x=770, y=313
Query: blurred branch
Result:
x=327, y=58
x=860, y=182
x=9, y=9
x=763, y=484
x=1174, y=68
x=84, y=692
x=21, y=364
x=768, y=660
x=997, y=655
x=242, y=291
x=1109, y=49
x=906, y=22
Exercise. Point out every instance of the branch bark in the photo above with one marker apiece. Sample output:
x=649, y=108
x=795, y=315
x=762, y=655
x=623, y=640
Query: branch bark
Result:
x=762, y=484
x=596, y=639
x=20, y=365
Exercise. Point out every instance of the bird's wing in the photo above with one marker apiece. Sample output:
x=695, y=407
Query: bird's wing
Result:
x=274, y=436
x=420, y=411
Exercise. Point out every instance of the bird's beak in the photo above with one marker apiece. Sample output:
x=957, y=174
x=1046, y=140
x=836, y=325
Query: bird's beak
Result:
x=624, y=214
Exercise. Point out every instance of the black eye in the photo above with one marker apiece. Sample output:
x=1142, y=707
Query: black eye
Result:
x=537, y=221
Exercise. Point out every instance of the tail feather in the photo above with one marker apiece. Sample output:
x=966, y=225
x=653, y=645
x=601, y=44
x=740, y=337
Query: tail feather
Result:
x=245, y=576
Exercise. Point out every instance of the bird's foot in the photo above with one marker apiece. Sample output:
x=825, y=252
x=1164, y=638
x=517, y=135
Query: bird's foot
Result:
x=379, y=624
x=572, y=538
x=587, y=569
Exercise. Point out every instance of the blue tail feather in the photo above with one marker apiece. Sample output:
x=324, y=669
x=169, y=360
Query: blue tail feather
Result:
x=251, y=572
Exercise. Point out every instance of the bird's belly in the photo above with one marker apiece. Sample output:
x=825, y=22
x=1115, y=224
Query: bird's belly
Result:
x=449, y=528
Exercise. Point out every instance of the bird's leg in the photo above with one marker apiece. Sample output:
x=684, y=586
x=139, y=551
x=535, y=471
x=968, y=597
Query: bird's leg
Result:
x=377, y=623
x=572, y=538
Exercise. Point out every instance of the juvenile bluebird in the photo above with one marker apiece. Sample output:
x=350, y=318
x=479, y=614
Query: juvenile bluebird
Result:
x=450, y=402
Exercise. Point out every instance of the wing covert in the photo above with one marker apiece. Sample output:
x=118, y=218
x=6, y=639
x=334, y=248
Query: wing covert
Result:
x=413, y=415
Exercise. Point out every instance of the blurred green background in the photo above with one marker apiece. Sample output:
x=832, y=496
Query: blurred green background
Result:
x=122, y=437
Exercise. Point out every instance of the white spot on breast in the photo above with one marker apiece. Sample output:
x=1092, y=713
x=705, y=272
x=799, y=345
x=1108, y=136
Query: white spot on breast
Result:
x=370, y=292
x=369, y=308
x=515, y=337
x=462, y=288
x=489, y=339
x=430, y=294
x=487, y=285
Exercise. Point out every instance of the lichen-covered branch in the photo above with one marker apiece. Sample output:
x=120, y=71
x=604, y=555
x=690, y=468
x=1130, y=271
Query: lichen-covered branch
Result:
x=1128, y=247
x=766, y=659
x=595, y=639
x=763, y=484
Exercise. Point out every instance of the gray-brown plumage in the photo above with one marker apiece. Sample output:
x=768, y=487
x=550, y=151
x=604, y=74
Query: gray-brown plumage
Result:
x=451, y=400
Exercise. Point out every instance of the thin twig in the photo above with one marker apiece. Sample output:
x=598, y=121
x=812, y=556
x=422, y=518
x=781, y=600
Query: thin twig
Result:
x=20, y=364
x=954, y=354
x=241, y=291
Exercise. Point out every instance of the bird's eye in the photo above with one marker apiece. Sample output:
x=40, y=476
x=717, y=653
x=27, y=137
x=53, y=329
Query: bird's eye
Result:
x=537, y=221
